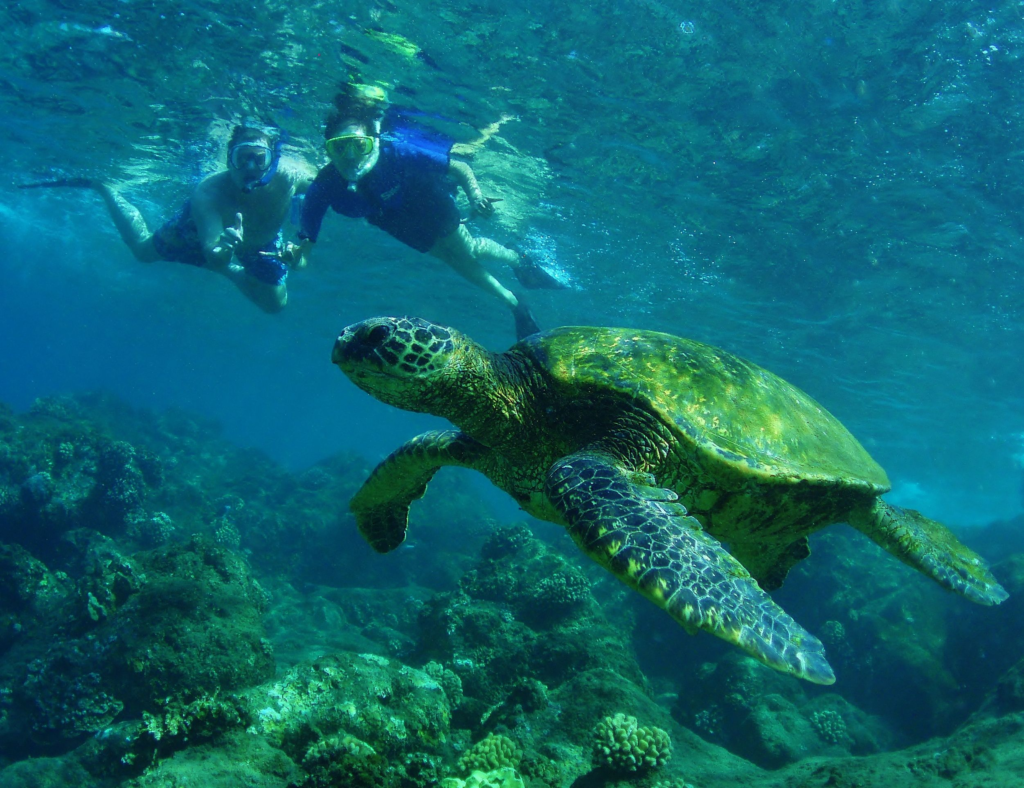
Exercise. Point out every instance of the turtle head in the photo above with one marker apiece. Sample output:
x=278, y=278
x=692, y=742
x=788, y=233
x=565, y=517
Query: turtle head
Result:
x=403, y=361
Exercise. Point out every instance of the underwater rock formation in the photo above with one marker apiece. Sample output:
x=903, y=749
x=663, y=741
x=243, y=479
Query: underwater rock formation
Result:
x=502, y=626
x=60, y=470
x=138, y=634
x=770, y=719
x=355, y=719
x=137, y=645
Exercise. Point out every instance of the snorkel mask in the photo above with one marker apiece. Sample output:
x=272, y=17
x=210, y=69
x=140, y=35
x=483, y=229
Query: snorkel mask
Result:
x=354, y=155
x=255, y=161
x=354, y=148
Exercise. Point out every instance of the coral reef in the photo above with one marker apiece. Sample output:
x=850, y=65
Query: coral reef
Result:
x=505, y=777
x=501, y=629
x=493, y=752
x=69, y=473
x=622, y=745
x=770, y=719
x=169, y=574
x=343, y=760
x=148, y=631
x=390, y=706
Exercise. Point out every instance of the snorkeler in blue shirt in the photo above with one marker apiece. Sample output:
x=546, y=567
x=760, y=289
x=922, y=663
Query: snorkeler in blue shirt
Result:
x=257, y=187
x=403, y=188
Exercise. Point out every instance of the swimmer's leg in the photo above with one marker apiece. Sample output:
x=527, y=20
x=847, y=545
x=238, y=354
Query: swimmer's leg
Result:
x=461, y=251
x=527, y=271
x=261, y=275
x=270, y=298
x=127, y=219
x=485, y=247
x=129, y=223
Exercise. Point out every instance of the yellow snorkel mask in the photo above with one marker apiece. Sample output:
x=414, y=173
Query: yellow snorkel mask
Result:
x=349, y=146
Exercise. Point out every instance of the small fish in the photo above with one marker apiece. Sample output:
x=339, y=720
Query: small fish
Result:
x=421, y=55
x=352, y=52
x=105, y=30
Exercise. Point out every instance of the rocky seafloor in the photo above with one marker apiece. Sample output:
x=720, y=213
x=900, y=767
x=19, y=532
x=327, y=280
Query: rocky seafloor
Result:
x=176, y=611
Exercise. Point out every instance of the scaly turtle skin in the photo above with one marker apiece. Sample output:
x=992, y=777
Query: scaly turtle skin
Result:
x=652, y=451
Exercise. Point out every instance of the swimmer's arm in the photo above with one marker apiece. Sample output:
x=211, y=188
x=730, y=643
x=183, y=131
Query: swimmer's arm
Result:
x=314, y=207
x=218, y=242
x=302, y=175
x=463, y=175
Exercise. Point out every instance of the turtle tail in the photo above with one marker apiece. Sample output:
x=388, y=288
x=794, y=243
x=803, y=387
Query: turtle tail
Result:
x=931, y=548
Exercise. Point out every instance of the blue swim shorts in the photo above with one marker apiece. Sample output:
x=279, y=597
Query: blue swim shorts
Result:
x=177, y=241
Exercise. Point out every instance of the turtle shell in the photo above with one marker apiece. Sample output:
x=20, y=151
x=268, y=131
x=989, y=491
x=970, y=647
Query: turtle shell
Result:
x=748, y=417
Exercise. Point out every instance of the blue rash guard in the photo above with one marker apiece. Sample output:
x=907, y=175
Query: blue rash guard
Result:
x=406, y=194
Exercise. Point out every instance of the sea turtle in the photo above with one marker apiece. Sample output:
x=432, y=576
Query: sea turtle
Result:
x=655, y=452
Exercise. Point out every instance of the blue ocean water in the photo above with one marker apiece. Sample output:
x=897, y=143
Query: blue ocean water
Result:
x=831, y=190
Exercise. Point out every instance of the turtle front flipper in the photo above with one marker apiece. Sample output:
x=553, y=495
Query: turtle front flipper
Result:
x=931, y=548
x=382, y=504
x=650, y=543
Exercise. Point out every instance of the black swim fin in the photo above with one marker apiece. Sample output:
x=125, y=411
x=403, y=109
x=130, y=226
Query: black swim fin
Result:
x=525, y=324
x=78, y=183
x=536, y=277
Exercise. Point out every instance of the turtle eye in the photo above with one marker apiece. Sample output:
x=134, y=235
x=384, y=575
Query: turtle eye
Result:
x=377, y=335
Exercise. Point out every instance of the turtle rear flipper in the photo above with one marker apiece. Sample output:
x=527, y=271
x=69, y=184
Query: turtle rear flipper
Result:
x=931, y=548
x=650, y=543
x=382, y=504
x=769, y=563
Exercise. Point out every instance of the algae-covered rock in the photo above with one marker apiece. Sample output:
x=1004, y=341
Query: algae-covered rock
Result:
x=193, y=627
x=506, y=777
x=342, y=759
x=30, y=594
x=240, y=760
x=147, y=634
x=521, y=614
x=1009, y=691
x=391, y=707
x=769, y=719
x=46, y=773
x=542, y=771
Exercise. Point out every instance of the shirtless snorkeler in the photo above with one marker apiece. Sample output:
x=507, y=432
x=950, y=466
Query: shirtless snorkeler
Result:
x=207, y=231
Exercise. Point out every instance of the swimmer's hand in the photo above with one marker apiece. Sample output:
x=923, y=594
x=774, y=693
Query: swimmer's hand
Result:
x=292, y=255
x=229, y=239
x=482, y=205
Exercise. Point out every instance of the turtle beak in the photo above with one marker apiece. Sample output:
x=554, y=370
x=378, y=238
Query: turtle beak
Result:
x=362, y=343
x=340, y=345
